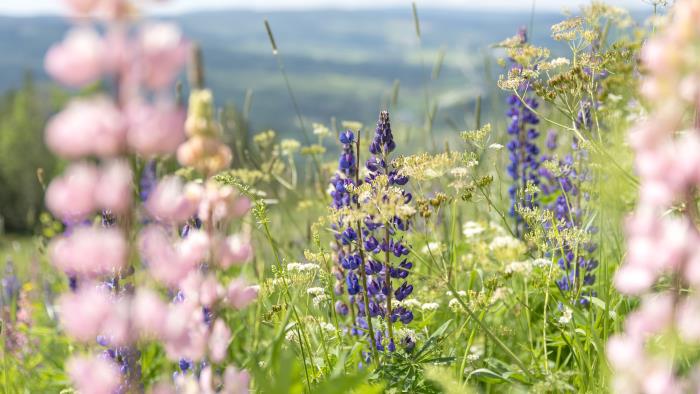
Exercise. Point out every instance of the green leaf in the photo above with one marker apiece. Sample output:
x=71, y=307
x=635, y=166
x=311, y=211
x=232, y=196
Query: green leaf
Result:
x=487, y=375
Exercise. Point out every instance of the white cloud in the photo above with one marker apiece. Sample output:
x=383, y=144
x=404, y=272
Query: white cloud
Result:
x=24, y=7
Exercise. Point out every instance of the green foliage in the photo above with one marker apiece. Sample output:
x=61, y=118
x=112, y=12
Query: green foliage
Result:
x=25, y=163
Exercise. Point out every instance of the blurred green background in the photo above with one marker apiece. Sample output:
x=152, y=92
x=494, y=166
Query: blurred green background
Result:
x=343, y=65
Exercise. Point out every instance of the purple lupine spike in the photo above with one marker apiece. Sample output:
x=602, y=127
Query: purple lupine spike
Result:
x=383, y=240
x=577, y=266
x=523, y=166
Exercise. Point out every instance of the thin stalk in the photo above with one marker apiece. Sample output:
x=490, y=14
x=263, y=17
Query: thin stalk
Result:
x=498, y=211
x=365, y=297
x=330, y=286
x=387, y=280
x=477, y=113
x=280, y=65
x=428, y=114
x=596, y=147
x=387, y=262
x=323, y=345
x=302, y=336
x=283, y=71
x=470, y=342
x=490, y=333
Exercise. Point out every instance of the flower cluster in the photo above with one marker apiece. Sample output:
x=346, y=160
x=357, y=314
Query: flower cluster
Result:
x=15, y=313
x=523, y=149
x=347, y=168
x=371, y=216
x=347, y=259
x=562, y=184
x=350, y=257
x=203, y=150
x=662, y=234
x=383, y=233
x=108, y=303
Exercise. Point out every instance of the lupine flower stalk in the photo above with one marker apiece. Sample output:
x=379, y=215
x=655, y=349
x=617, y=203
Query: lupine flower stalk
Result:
x=342, y=198
x=662, y=263
x=141, y=119
x=562, y=182
x=350, y=254
x=15, y=312
x=383, y=230
x=523, y=149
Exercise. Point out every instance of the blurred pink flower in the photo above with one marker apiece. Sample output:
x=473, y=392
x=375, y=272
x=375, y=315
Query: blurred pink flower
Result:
x=163, y=387
x=235, y=249
x=624, y=351
x=222, y=203
x=654, y=315
x=194, y=249
x=186, y=334
x=241, y=206
x=677, y=238
x=81, y=6
x=659, y=378
x=79, y=59
x=112, y=10
x=218, y=341
x=90, y=252
x=658, y=56
x=655, y=193
x=163, y=54
x=204, y=290
x=687, y=160
x=235, y=381
x=688, y=320
x=661, y=238
x=633, y=280
x=171, y=263
x=210, y=291
x=239, y=294
x=71, y=196
x=180, y=316
x=663, y=248
x=82, y=314
x=646, y=135
x=120, y=57
x=156, y=129
x=86, y=127
x=93, y=374
x=118, y=325
x=689, y=89
x=642, y=252
x=114, y=189
x=650, y=89
x=653, y=164
x=206, y=380
x=692, y=268
x=159, y=255
x=171, y=201
x=149, y=313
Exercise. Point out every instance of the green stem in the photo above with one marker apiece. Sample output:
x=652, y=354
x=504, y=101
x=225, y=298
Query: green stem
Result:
x=302, y=336
x=490, y=333
x=360, y=248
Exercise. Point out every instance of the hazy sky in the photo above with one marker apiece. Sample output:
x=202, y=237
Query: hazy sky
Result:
x=28, y=7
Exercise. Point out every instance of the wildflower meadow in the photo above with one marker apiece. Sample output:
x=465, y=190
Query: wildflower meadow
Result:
x=546, y=241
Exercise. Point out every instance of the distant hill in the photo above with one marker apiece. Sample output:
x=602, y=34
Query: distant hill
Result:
x=340, y=63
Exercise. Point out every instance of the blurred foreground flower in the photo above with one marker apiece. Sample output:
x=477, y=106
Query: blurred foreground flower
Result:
x=182, y=230
x=663, y=261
